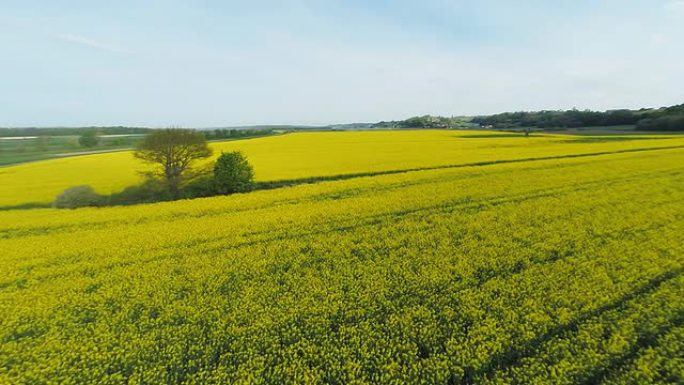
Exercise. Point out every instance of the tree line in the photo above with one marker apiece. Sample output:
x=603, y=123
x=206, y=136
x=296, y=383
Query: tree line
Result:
x=71, y=131
x=90, y=137
x=662, y=119
x=219, y=133
x=232, y=133
x=666, y=119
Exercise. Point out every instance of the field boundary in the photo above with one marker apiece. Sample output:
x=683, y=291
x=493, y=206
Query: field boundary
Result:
x=267, y=185
x=271, y=185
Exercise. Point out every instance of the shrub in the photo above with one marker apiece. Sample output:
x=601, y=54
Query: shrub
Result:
x=79, y=196
x=203, y=186
x=152, y=190
x=233, y=173
x=89, y=139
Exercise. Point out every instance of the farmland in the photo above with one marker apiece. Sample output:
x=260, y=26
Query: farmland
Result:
x=458, y=258
x=320, y=154
x=32, y=148
x=20, y=145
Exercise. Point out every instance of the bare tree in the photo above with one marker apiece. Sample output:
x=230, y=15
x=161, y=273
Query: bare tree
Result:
x=173, y=150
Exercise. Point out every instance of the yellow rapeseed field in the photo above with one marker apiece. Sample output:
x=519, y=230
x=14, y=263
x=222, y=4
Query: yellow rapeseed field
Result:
x=313, y=154
x=565, y=270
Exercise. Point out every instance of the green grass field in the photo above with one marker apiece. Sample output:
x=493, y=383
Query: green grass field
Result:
x=13, y=151
x=460, y=258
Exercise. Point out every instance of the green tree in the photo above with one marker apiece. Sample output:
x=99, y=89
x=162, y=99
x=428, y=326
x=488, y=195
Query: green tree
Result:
x=89, y=139
x=173, y=151
x=233, y=173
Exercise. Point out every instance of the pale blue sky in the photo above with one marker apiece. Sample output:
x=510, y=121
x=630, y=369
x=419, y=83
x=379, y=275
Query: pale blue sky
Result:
x=218, y=63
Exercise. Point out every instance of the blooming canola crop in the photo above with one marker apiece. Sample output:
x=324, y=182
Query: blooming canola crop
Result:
x=562, y=270
x=316, y=154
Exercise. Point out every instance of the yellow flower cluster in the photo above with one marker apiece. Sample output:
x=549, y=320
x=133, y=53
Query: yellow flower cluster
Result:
x=317, y=154
x=560, y=271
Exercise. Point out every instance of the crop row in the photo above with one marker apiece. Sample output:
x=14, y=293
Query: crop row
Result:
x=559, y=272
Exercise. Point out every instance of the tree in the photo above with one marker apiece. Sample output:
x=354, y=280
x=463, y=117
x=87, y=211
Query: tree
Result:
x=89, y=139
x=173, y=150
x=233, y=173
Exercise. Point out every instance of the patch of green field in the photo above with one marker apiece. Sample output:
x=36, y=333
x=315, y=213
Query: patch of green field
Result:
x=14, y=151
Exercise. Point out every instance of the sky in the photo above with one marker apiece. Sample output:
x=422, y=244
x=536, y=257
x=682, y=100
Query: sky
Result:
x=226, y=63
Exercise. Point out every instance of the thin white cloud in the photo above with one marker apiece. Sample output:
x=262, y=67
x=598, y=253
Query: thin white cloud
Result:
x=658, y=38
x=81, y=40
x=675, y=7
